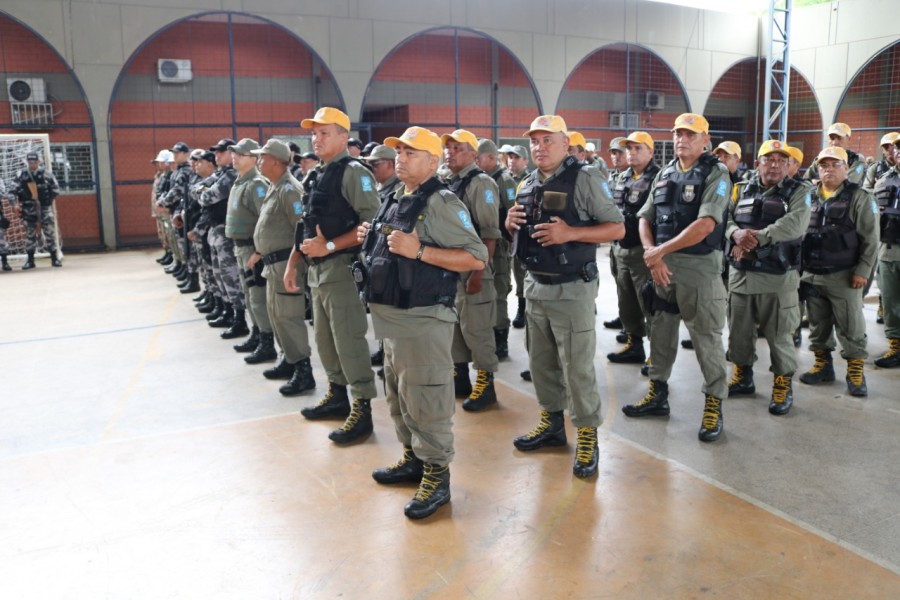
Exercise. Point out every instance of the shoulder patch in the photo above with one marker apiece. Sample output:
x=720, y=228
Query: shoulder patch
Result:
x=297, y=205
x=260, y=191
x=807, y=199
x=605, y=187
x=489, y=196
x=465, y=219
x=874, y=207
x=366, y=183
x=510, y=194
x=722, y=188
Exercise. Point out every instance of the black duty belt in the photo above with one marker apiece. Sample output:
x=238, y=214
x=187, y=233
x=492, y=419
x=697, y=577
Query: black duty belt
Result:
x=276, y=257
x=556, y=279
x=242, y=243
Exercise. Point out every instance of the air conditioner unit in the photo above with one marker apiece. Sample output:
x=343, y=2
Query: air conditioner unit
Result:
x=26, y=89
x=623, y=120
x=174, y=70
x=654, y=101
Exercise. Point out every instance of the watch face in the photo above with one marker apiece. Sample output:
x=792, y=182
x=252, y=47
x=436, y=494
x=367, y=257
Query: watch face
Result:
x=329, y=246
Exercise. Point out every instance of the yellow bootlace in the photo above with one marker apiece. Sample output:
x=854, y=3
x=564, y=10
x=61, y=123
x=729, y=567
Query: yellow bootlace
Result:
x=821, y=361
x=893, y=349
x=406, y=458
x=650, y=397
x=429, y=482
x=711, y=412
x=481, y=384
x=780, y=389
x=855, y=371
x=629, y=344
x=542, y=426
x=584, y=447
x=736, y=375
x=353, y=418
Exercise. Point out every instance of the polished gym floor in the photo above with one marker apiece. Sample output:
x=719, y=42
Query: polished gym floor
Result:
x=141, y=458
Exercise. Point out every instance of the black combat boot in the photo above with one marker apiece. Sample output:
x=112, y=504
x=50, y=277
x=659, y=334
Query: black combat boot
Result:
x=377, y=357
x=631, y=353
x=519, y=320
x=5, y=263
x=283, y=370
x=238, y=326
x=176, y=264
x=207, y=306
x=264, y=351
x=29, y=262
x=614, y=324
x=525, y=375
x=180, y=272
x=433, y=492
x=250, y=344
x=54, y=259
x=586, y=453
x=655, y=403
x=879, y=316
x=301, y=381
x=501, y=341
x=192, y=285
x=198, y=300
x=687, y=344
x=645, y=368
x=550, y=431
x=713, y=422
x=622, y=337
x=741, y=382
x=406, y=470
x=462, y=386
x=357, y=424
x=165, y=259
x=483, y=394
x=334, y=404
x=782, y=395
x=226, y=319
x=891, y=358
x=856, y=379
x=822, y=370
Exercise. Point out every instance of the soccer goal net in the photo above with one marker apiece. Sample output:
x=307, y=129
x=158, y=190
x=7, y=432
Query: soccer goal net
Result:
x=13, y=150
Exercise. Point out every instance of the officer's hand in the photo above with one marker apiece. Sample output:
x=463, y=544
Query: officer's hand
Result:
x=515, y=218
x=661, y=274
x=290, y=280
x=315, y=247
x=254, y=258
x=858, y=282
x=192, y=235
x=362, y=230
x=745, y=238
x=474, y=283
x=553, y=233
x=653, y=256
x=404, y=244
x=177, y=221
x=737, y=253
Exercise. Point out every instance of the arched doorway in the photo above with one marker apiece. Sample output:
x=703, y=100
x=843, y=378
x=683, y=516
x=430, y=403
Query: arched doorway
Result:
x=201, y=79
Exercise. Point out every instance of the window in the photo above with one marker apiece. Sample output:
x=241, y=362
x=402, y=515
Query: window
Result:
x=663, y=151
x=73, y=165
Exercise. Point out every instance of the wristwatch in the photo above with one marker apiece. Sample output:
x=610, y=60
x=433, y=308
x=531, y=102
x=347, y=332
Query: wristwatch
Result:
x=329, y=245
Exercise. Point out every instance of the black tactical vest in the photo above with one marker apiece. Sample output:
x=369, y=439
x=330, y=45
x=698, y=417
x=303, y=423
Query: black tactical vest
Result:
x=225, y=181
x=327, y=208
x=887, y=194
x=630, y=196
x=756, y=211
x=394, y=280
x=678, y=197
x=459, y=187
x=881, y=167
x=41, y=182
x=555, y=198
x=831, y=243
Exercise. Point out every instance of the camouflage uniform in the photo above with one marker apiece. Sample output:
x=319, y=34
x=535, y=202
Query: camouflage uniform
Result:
x=40, y=208
x=179, y=184
x=214, y=201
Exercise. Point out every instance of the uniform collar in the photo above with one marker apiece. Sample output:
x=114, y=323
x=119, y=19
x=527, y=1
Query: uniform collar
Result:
x=465, y=171
x=339, y=156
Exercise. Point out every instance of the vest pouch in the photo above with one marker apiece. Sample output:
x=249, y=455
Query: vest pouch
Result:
x=405, y=274
x=554, y=203
x=381, y=274
x=745, y=206
x=772, y=210
x=835, y=212
x=885, y=195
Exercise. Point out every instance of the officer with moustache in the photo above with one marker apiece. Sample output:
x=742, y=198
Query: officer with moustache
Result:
x=563, y=211
x=765, y=230
x=682, y=231
x=419, y=242
x=840, y=248
x=341, y=195
x=632, y=190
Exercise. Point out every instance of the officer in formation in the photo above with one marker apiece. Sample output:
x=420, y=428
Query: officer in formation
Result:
x=476, y=297
x=617, y=160
x=517, y=161
x=729, y=154
x=4, y=225
x=419, y=242
x=887, y=194
x=273, y=238
x=161, y=179
x=173, y=202
x=839, y=253
x=765, y=231
x=36, y=189
x=887, y=162
x=563, y=210
x=839, y=137
x=488, y=160
x=682, y=231
x=631, y=192
x=195, y=221
x=341, y=195
x=244, y=206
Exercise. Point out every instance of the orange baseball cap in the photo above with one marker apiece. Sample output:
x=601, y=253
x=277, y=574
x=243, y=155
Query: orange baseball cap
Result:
x=576, y=139
x=841, y=129
x=773, y=146
x=729, y=147
x=550, y=123
x=692, y=122
x=640, y=137
x=327, y=116
x=418, y=138
x=462, y=136
x=833, y=152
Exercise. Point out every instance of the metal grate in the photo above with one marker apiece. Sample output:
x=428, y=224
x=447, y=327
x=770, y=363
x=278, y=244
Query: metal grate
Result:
x=31, y=113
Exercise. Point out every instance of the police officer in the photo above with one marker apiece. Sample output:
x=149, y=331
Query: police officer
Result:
x=631, y=193
x=563, y=210
x=839, y=252
x=421, y=239
x=282, y=209
x=887, y=162
x=36, y=189
x=682, y=230
x=887, y=194
x=765, y=230
x=194, y=218
x=517, y=162
x=729, y=154
x=476, y=296
x=173, y=201
x=342, y=195
x=488, y=160
x=577, y=145
x=4, y=225
x=244, y=205
x=839, y=137
x=617, y=160
x=160, y=184
x=794, y=162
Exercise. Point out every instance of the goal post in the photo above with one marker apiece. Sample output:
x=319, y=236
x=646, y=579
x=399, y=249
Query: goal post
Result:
x=13, y=151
